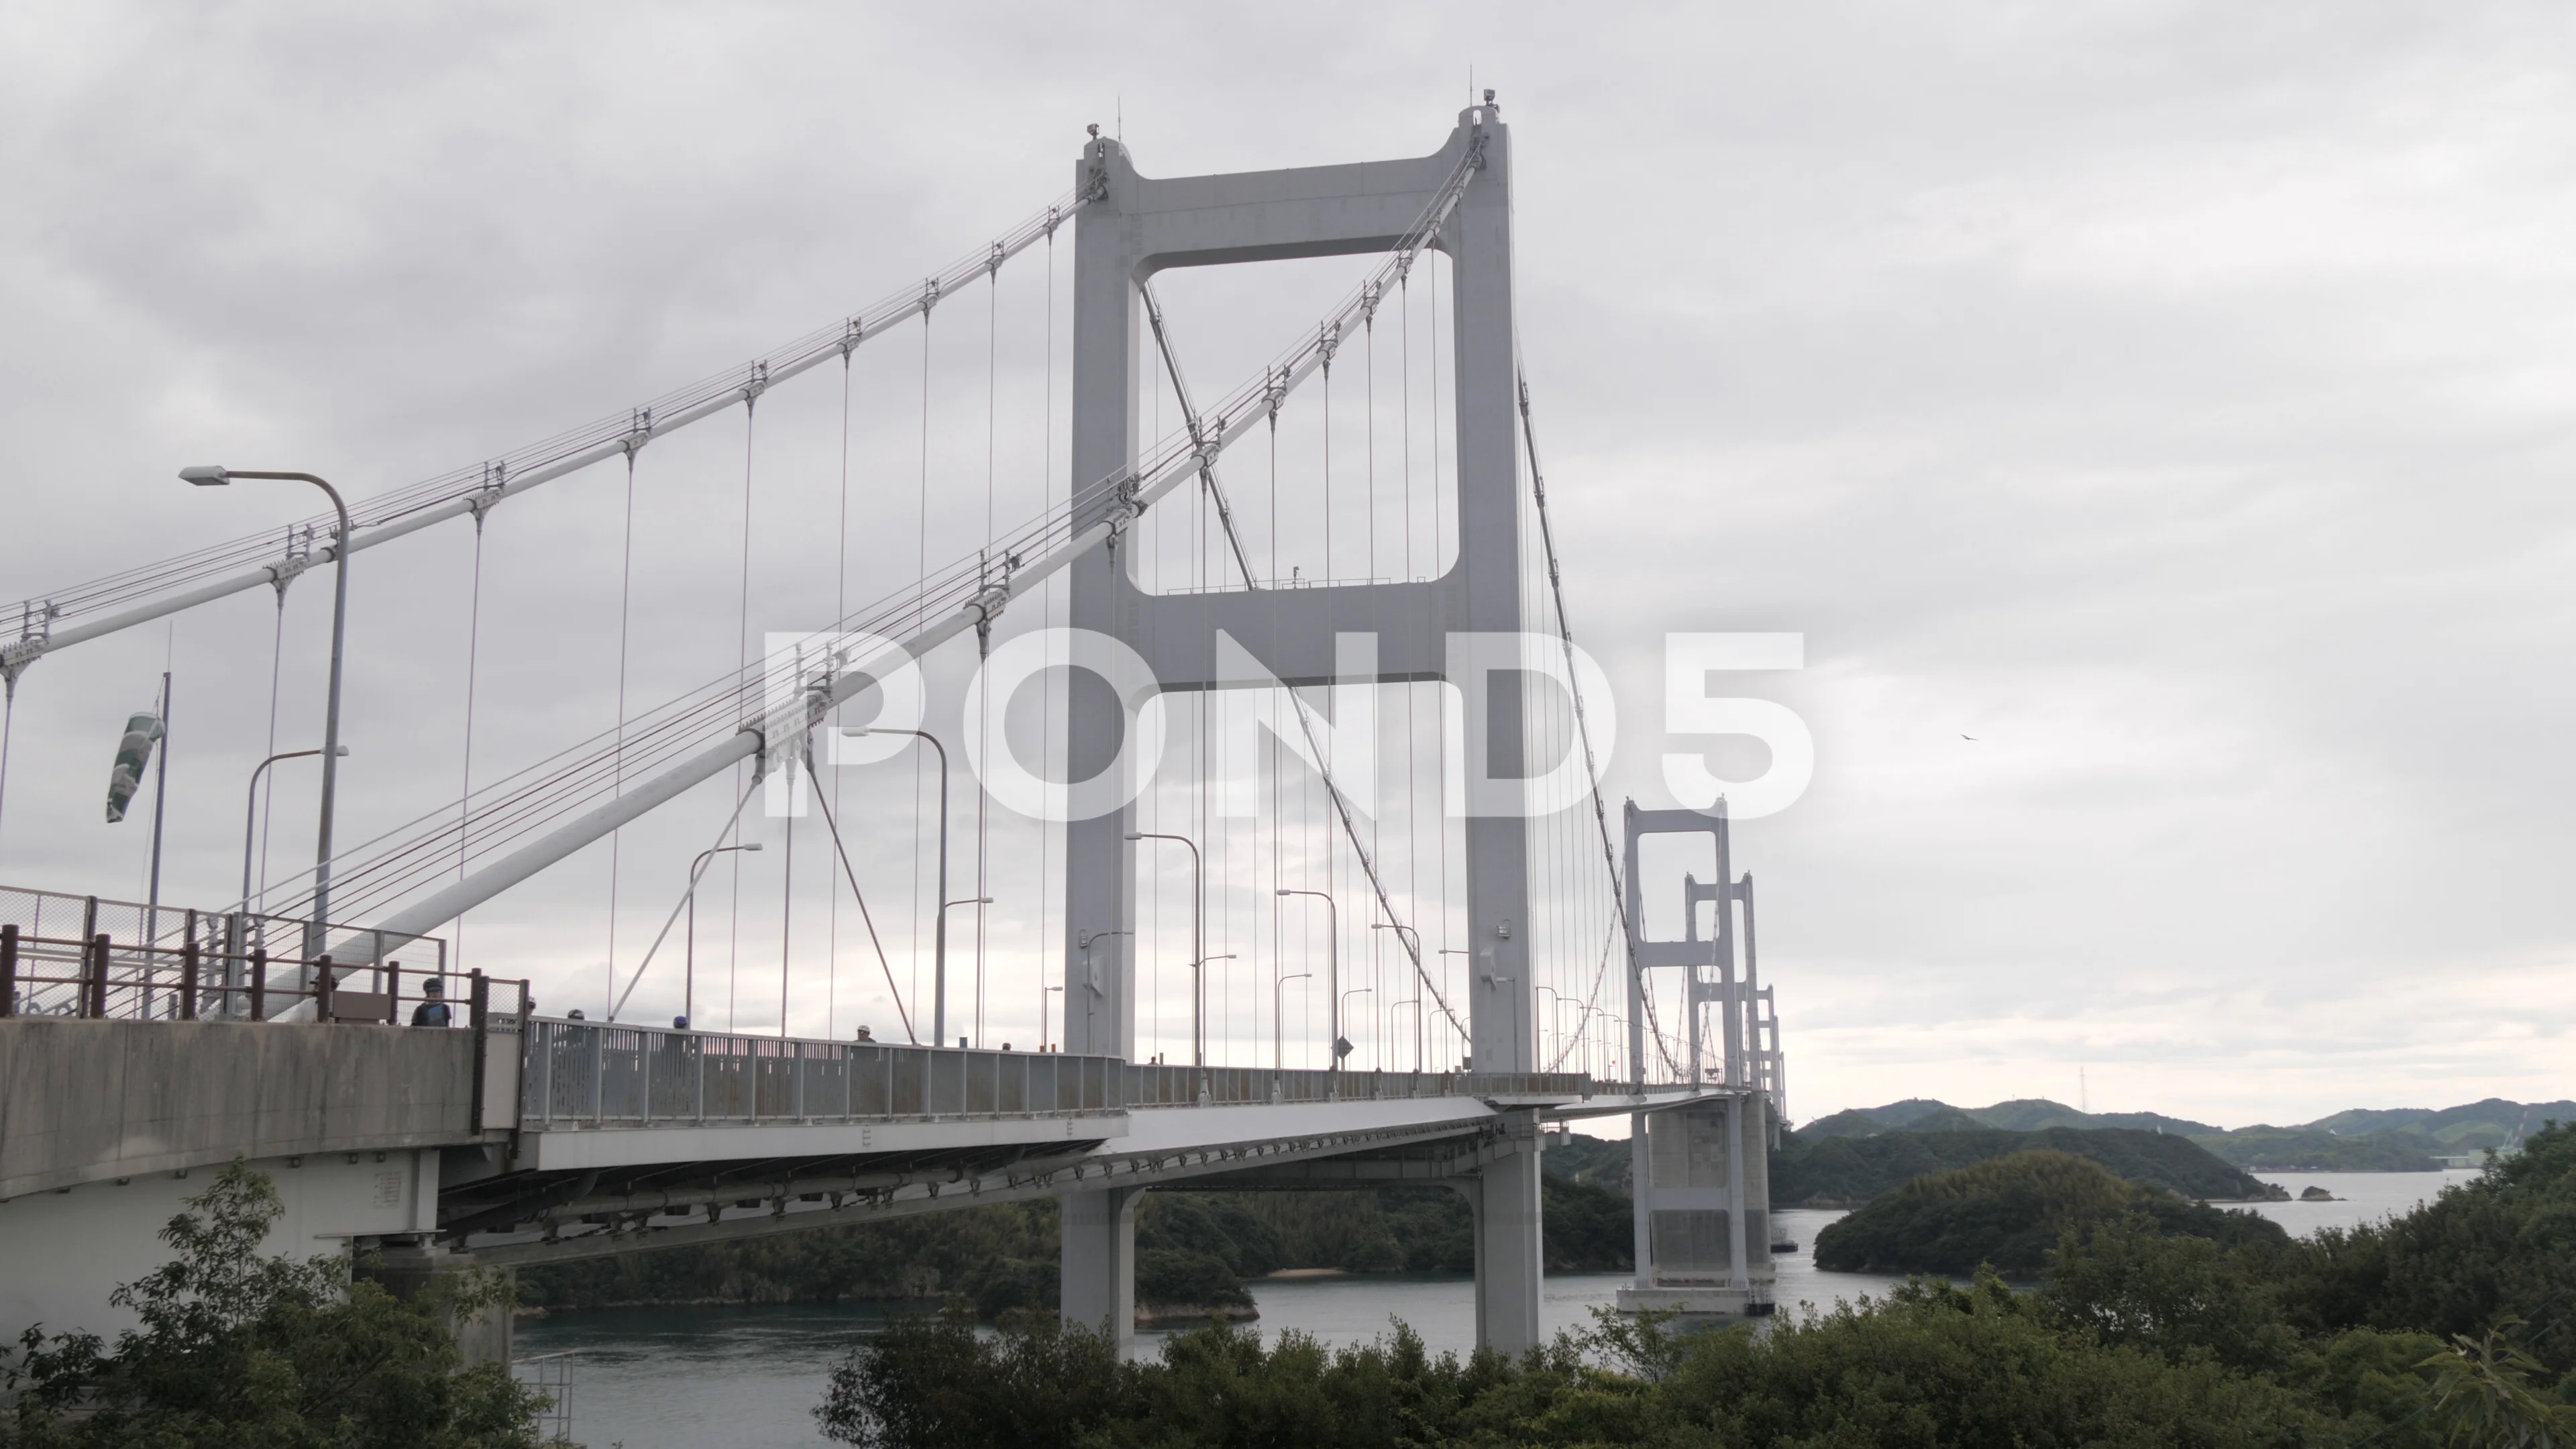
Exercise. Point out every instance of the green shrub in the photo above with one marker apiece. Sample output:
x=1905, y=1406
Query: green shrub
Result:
x=238, y=1349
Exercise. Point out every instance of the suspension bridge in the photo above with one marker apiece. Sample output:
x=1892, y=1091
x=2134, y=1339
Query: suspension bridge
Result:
x=1249, y=705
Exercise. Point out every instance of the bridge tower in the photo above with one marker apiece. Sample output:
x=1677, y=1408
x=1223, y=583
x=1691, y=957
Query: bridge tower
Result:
x=1700, y=1175
x=1140, y=225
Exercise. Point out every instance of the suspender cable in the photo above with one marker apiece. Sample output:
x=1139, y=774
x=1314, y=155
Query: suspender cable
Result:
x=787, y=900
x=1046, y=706
x=1583, y=730
x=625, y=596
x=1205, y=454
x=840, y=607
x=984, y=636
x=465, y=770
x=741, y=671
x=861, y=897
x=921, y=580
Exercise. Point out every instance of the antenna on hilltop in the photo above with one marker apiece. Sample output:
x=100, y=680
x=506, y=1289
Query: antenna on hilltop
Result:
x=2083, y=1093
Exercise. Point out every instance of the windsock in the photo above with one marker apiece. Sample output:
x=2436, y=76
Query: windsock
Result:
x=132, y=754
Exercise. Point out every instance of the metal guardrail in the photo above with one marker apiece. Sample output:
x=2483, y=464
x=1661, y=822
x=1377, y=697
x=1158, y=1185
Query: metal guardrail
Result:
x=581, y=1073
x=83, y=956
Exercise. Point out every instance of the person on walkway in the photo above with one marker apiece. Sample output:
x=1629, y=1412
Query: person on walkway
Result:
x=433, y=1010
x=866, y=1035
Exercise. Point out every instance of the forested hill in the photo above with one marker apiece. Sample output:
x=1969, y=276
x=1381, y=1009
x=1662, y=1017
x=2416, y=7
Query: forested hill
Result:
x=2407, y=1139
x=1848, y=1171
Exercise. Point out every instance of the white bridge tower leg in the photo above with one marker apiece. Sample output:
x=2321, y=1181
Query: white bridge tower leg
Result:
x=1099, y=1270
x=1505, y=1198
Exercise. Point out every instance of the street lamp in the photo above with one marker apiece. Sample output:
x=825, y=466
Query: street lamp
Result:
x=1343, y=1003
x=1198, y=946
x=1090, y=985
x=1278, y=1014
x=209, y=476
x=1403, y=931
x=943, y=917
x=1414, y=1001
x=689, y=993
x=1333, y=964
x=939, y=929
x=250, y=815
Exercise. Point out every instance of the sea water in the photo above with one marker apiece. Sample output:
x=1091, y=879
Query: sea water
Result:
x=680, y=1378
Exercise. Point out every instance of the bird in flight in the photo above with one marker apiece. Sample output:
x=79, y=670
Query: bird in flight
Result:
x=1972, y=738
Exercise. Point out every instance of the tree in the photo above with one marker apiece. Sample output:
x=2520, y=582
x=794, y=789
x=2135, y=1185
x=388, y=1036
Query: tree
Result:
x=236, y=1349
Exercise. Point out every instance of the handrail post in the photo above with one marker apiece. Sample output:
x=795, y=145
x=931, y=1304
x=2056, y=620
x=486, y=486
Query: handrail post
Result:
x=478, y=996
x=259, y=983
x=393, y=993
x=322, y=988
x=98, y=949
x=8, y=970
x=189, y=962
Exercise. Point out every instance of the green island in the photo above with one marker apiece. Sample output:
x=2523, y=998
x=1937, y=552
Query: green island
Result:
x=1810, y=1170
x=2403, y=1139
x=2010, y=1213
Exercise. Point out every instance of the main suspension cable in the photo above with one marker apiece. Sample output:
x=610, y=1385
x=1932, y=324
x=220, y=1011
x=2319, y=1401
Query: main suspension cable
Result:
x=138, y=595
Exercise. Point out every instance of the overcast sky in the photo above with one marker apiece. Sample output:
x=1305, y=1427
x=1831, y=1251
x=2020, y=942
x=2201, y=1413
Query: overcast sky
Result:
x=2173, y=398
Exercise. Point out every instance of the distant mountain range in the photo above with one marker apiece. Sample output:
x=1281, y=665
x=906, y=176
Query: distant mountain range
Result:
x=2403, y=1139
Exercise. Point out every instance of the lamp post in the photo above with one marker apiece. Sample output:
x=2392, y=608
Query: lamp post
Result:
x=1198, y=946
x=1090, y=985
x=689, y=993
x=939, y=928
x=1278, y=1015
x=1414, y=1001
x=1444, y=975
x=1402, y=930
x=1344, y=1000
x=1333, y=965
x=209, y=476
x=250, y=813
x=936, y=1039
x=1546, y=1021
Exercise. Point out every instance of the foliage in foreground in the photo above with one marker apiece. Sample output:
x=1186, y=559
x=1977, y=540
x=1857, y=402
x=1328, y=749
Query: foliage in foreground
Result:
x=2408, y=1334
x=1934, y=1365
x=236, y=1349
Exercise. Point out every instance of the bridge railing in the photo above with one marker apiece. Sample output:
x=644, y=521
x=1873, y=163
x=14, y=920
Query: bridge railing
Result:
x=595, y=1074
x=86, y=956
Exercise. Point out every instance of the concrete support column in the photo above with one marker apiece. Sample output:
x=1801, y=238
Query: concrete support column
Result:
x=408, y=1271
x=1099, y=1249
x=1509, y=1231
